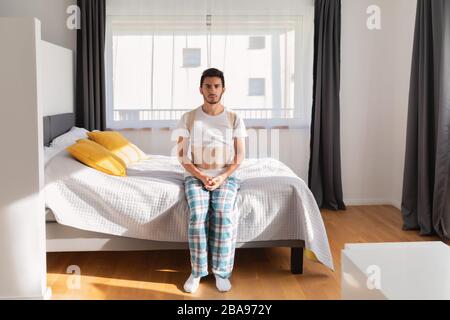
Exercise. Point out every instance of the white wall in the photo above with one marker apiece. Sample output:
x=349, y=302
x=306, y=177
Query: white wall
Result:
x=375, y=74
x=51, y=13
x=200, y=7
x=405, y=9
x=53, y=17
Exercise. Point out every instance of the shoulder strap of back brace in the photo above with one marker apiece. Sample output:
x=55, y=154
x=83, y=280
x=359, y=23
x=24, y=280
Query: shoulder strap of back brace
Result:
x=231, y=119
x=190, y=118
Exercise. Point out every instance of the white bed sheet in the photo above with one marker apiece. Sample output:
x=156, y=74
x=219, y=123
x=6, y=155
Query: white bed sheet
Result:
x=273, y=203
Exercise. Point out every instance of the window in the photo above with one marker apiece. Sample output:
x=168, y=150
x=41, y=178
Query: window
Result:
x=257, y=43
x=191, y=57
x=256, y=86
x=154, y=65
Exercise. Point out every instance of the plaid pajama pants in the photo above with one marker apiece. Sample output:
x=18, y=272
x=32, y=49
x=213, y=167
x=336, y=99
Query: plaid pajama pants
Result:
x=212, y=221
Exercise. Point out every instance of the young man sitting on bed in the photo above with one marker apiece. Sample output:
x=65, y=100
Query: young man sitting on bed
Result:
x=215, y=136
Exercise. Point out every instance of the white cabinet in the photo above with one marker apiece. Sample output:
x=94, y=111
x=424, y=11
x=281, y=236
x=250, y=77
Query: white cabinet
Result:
x=398, y=271
x=22, y=222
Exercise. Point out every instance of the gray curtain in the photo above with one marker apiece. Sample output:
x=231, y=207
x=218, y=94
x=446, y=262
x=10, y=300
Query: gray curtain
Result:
x=324, y=177
x=91, y=97
x=426, y=196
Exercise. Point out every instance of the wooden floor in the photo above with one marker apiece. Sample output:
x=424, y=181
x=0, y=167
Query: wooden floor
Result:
x=258, y=273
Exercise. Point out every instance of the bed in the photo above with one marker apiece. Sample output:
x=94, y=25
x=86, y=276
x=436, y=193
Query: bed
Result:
x=88, y=210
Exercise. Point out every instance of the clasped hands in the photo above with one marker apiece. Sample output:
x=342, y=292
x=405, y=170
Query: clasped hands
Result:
x=212, y=184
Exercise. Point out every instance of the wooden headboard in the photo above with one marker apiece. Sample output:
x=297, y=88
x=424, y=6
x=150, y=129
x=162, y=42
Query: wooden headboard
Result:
x=56, y=125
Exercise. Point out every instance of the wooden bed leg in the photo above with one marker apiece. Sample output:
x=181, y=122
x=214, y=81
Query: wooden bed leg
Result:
x=297, y=260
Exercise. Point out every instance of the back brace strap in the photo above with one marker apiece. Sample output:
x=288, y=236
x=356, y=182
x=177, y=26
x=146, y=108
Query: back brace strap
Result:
x=190, y=118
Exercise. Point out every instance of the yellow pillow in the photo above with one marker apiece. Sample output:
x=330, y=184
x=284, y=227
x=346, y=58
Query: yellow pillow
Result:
x=119, y=145
x=96, y=156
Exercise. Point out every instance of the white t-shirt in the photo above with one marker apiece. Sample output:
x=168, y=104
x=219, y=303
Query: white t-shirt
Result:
x=211, y=138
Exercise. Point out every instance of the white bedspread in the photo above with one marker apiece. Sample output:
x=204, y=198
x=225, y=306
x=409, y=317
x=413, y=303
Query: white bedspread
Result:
x=273, y=203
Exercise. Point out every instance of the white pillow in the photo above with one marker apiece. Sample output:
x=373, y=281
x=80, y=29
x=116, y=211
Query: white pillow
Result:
x=50, y=152
x=69, y=138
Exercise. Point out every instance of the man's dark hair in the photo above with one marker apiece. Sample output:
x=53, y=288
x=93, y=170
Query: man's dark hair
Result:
x=212, y=73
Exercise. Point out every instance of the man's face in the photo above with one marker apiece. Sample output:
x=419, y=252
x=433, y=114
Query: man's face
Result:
x=212, y=90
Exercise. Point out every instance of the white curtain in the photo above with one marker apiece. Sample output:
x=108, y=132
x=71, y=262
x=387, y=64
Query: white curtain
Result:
x=157, y=49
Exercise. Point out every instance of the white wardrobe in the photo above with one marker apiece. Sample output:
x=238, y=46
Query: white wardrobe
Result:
x=28, y=91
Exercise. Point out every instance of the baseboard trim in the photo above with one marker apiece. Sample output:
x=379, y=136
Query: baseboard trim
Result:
x=46, y=296
x=372, y=202
x=397, y=204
